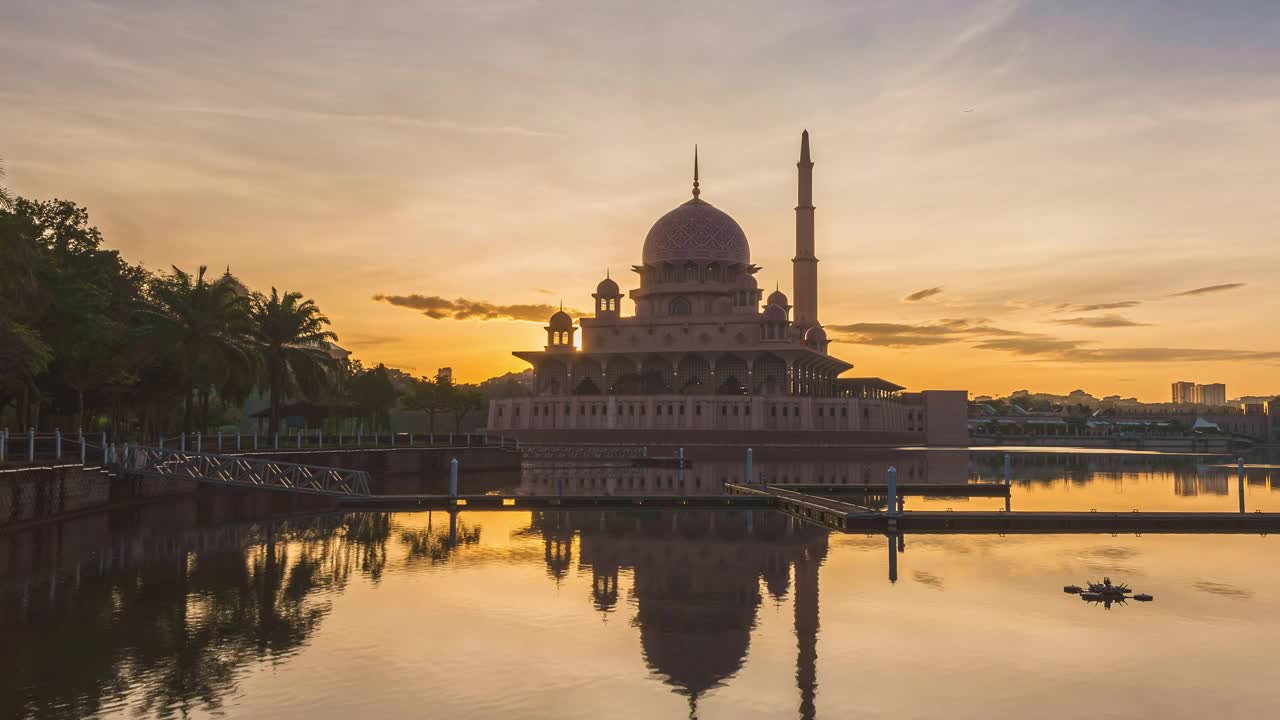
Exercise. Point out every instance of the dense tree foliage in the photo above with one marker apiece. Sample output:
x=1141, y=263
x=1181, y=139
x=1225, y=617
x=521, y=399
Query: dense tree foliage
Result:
x=88, y=341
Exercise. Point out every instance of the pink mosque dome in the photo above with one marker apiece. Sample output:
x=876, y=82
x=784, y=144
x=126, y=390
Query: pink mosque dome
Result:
x=696, y=231
x=779, y=298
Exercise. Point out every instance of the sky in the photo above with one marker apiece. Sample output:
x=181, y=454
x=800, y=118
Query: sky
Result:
x=1011, y=194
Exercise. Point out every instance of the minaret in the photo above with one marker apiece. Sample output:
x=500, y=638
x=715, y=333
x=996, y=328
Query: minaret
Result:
x=804, y=266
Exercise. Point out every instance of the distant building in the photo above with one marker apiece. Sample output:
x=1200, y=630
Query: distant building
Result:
x=1214, y=394
x=445, y=375
x=1184, y=393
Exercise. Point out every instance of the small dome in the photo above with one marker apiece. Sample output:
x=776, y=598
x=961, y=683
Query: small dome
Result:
x=815, y=336
x=561, y=321
x=775, y=313
x=777, y=297
x=607, y=288
x=696, y=231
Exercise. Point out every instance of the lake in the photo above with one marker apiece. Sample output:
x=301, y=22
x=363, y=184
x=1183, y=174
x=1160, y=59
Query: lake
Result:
x=220, y=606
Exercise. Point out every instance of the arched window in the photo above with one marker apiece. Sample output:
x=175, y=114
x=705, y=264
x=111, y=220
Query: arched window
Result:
x=713, y=272
x=613, y=304
x=690, y=272
x=680, y=306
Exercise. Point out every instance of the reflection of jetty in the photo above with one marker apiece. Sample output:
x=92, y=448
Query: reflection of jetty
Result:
x=843, y=516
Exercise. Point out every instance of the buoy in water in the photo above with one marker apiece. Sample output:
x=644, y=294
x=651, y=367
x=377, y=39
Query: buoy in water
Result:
x=1143, y=597
x=1073, y=589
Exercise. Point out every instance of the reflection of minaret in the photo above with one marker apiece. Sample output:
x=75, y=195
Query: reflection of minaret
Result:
x=804, y=266
x=807, y=630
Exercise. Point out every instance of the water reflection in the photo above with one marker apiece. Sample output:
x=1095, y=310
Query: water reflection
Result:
x=165, y=622
x=697, y=578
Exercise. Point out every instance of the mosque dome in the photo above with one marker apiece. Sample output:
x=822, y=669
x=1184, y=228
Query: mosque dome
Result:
x=815, y=336
x=561, y=320
x=696, y=231
x=775, y=313
x=777, y=297
x=607, y=288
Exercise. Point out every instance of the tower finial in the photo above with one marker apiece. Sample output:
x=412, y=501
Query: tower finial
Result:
x=606, y=273
x=696, y=191
x=804, y=147
x=561, y=304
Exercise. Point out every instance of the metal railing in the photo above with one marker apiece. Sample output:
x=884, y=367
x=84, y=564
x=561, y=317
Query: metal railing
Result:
x=242, y=470
x=30, y=447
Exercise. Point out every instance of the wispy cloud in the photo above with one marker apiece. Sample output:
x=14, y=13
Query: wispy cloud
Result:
x=908, y=335
x=1208, y=289
x=438, y=308
x=1103, y=321
x=981, y=335
x=922, y=294
x=1068, y=307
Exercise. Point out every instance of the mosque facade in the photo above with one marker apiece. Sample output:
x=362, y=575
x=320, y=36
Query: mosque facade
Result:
x=706, y=351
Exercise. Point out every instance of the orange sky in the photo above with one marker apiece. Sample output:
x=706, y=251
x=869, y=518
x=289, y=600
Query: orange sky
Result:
x=1032, y=162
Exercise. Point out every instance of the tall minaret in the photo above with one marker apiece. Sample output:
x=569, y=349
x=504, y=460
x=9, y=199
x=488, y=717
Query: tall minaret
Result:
x=804, y=266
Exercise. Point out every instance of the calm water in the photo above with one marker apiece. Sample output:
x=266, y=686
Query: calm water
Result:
x=220, y=607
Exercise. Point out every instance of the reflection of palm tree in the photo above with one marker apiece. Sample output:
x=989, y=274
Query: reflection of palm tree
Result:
x=172, y=636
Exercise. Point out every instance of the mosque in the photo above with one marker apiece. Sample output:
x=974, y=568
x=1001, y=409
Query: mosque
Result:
x=701, y=355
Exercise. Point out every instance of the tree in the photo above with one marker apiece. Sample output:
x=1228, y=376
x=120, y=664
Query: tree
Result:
x=374, y=394
x=431, y=396
x=6, y=197
x=204, y=325
x=463, y=399
x=293, y=340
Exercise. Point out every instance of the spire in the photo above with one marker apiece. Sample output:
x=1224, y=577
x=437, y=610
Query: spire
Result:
x=606, y=273
x=696, y=191
x=561, y=304
x=804, y=147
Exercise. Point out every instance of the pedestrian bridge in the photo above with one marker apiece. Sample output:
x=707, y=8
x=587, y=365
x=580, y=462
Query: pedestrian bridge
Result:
x=243, y=470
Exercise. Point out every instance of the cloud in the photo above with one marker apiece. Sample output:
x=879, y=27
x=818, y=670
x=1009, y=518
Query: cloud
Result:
x=905, y=335
x=922, y=294
x=1068, y=307
x=1206, y=290
x=1104, y=321
x=981, y=335
x=438, y=308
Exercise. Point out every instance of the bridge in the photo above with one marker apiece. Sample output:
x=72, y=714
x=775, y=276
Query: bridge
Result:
x=244, y=471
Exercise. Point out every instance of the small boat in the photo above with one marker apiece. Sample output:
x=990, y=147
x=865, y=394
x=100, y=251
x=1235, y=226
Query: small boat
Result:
x=1073, y=589
x=1143, y=597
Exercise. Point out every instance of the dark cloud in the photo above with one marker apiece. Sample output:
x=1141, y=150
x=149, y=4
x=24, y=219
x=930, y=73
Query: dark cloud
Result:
x=439, y=308
x=1104, y=321
x=904, y=335
x=980, y=334
x=1206, y=290
x=1068, y=307
x=922, y=294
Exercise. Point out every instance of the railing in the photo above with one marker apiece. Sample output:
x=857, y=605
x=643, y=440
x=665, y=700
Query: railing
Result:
x=242, y=470
x=30, y=447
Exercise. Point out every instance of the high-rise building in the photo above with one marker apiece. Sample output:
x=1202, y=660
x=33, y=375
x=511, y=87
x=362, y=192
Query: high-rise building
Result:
x=1213, y=394
x=444, y=374
x=1184, y=393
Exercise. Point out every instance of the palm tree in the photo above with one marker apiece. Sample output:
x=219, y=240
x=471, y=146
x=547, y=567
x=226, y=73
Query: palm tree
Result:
x=292, y=338
x=205, y=325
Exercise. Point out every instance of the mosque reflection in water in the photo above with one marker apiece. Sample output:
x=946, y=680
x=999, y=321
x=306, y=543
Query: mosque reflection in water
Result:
x=163, y=622
x=696, y=579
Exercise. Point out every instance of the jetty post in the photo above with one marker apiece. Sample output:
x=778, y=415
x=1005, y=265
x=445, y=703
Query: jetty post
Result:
x=751, y=478
x=4, y=443
x=453, y=480
x=893, y=557
x=198, y=445
x=1240, y=467
x=1008, y=469
x=57, y=444
x=83, y=447
x=893, y=491
x=104, y=449
x=182, y=442
x=31, y=445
